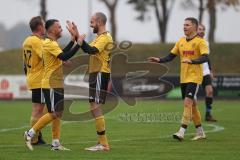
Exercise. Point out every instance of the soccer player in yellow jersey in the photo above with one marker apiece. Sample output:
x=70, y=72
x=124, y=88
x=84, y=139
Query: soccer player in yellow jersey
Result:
x=33, y=67
x=193, y=51
x=99, y=74
x=52, y=83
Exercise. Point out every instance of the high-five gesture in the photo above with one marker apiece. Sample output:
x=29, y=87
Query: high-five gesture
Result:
x=79, y=37
x=71, y=30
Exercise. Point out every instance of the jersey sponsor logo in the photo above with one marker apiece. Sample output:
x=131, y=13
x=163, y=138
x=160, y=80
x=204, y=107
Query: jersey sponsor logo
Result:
x=188, y=53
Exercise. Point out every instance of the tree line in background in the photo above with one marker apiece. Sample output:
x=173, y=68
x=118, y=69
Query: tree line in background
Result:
x=163, y=8
x=211, y=7
x=160, y=10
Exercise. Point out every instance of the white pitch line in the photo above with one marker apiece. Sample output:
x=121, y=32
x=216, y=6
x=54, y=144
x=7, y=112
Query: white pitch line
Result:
x=24, y=127
x=216, y=128
x=12, y=129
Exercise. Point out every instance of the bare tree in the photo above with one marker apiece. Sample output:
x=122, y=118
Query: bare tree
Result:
x=112, y=5
x=162, y=16
x=162, y=10
x=43, y=7
x=211, y=7
x=191, y=4
x=43, y=11
x=201, y=11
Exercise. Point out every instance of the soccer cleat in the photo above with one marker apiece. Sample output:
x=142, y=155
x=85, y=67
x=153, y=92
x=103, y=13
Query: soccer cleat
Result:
x=199, y=136
x=98, y=147
x=40, y=140
x=209, y=118
x=59, y=148
x=179, y=136
x=28, y=139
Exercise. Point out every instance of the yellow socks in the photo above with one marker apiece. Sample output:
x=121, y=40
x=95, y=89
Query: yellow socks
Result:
x=187, y=115
x=196, y=116
x=43, y=121
x=56, y=126
x=33, y=121
x=100, y=127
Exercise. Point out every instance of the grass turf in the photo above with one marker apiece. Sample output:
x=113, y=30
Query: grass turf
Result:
x=140, y=132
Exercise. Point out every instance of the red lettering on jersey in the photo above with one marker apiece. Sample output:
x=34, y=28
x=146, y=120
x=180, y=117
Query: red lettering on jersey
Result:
x=188, y=53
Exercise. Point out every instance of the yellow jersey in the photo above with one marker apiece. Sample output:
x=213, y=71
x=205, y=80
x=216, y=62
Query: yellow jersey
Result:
x=100, y=61
x=32, y=59
x=191, y=49
x=53, y=74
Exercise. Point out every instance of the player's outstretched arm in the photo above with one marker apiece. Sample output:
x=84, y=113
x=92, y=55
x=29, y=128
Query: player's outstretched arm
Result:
x=69, y=46
x=168, y=58
x=153, y=59
x=64, y=56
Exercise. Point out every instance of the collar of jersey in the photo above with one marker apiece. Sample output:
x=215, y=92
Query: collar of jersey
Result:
x=191, y=38
x=103, y=33
x=49, y=38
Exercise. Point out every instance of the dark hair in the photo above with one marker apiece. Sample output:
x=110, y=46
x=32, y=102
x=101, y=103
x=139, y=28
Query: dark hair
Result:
x=202, y=26
x=101, y=17
x=35, y=22
x=193, y=20
x=49, y=23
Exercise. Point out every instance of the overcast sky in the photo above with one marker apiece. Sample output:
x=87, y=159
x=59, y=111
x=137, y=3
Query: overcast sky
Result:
x=16, y=11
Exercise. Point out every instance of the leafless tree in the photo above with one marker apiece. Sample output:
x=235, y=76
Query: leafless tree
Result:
x=162, y=11
x=112, y=5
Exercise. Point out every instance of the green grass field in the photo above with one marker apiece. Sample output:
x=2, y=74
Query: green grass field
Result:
x=133, y=133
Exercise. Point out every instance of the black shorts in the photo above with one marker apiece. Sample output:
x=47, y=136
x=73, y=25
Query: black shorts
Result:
x=54, y=98
x=98, y=84
x=37, y=96
x=189, y=90
x=206, y=81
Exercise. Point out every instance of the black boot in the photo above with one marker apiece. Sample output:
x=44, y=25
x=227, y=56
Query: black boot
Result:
x=40, y=140
x=209, y=117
